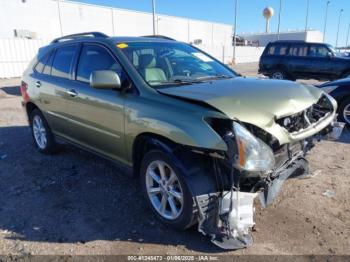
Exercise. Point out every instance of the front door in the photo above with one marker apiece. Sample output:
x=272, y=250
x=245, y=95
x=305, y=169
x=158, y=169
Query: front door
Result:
x=96, y=115
x=322, y=63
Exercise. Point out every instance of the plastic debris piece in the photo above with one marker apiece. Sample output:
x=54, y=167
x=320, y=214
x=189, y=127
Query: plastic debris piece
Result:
x=329, y=193
x=316, y=173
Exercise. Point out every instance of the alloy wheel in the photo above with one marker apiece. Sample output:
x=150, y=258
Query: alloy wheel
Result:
x=39, y=132
x=278, y=76
x=346, y=113
x=164, y=190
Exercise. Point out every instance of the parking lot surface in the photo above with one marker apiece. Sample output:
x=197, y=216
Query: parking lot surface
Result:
x=76, y=203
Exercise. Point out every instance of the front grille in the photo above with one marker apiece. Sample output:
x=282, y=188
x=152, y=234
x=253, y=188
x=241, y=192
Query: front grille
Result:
x=302, y=120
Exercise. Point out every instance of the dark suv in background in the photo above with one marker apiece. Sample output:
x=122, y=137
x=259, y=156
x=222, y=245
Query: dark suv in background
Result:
x=298, y=59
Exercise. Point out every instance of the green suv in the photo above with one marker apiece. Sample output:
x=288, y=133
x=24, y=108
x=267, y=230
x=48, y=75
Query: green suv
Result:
x=203, y=140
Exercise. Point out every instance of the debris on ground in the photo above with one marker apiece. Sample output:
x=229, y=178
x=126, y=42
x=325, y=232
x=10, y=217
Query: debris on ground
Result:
x=329, y=193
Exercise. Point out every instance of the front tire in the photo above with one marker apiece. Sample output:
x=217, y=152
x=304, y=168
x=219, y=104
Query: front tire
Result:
x=41, y=133
x=166, y=191
x=344, y=111
x=278, y=75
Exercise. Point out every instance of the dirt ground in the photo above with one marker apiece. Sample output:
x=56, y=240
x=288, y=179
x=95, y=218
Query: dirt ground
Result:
x=75, y=203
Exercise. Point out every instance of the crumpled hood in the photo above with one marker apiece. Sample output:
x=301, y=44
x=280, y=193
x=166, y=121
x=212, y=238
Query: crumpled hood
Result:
x=255, y=101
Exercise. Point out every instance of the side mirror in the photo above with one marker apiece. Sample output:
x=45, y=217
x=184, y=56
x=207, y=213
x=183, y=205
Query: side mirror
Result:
x=105, y=79
x=330, y=55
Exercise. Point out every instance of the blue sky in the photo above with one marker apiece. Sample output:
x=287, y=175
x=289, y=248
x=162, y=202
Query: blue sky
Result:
x=250, y=17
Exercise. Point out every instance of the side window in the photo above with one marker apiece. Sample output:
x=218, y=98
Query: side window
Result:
x=93, y=58
x=48, y=66
x=271, y=50
x=298, y=50
x=41, y=64
x=280, y=49
x=63, y=61
x=318, y=51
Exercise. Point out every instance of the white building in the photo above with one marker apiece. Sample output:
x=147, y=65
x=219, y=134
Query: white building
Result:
x=262, y=39
x=48, y=19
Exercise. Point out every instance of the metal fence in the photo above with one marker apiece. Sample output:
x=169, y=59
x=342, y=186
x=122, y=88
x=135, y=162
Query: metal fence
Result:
x=15, y=54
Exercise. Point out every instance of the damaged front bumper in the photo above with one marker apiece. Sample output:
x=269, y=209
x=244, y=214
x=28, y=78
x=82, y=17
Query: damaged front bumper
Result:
x=227, y=216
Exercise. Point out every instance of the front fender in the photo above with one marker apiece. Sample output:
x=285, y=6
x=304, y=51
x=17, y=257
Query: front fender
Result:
x=188, y=129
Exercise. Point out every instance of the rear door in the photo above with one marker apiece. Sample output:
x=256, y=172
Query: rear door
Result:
x=297, y=61
x=97, y=115
x=273, y=57
x=52, y=83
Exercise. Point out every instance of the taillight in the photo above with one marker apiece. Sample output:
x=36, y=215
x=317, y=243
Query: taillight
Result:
x=24, y=88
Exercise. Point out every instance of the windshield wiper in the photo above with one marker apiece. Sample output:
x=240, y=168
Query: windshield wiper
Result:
x=176, y=81
x=214, y=77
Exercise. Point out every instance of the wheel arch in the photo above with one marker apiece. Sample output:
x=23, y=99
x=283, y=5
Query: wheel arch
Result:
x=144, y=143
x=30, y=107
x=194, y=166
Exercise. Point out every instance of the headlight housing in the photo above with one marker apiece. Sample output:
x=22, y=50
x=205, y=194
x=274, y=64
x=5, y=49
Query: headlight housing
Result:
x=253, y=154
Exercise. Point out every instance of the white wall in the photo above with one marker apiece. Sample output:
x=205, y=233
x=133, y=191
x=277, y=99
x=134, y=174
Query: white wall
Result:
x=244, y=54
x=15, y=54
x=265, y=38
x=83, y=18
x=35, y=15
x=42, y=17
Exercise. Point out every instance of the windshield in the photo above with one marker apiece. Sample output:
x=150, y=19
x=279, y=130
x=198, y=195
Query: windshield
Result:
x=173, y=63
x=334, y=51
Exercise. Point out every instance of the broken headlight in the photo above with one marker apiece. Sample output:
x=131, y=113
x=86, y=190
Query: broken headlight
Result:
x=253, y=154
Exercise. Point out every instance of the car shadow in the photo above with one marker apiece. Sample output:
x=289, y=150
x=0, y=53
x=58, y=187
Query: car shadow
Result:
x=11, y=90
x=74, y=196
x=345, y=136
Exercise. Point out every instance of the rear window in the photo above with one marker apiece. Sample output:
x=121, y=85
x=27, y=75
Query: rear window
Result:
x=298, y=50
x=277, y=49
x=63, y=61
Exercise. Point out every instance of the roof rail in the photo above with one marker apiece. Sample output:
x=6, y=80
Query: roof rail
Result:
x=160, y=36
x=291, y=41
x=76, y=36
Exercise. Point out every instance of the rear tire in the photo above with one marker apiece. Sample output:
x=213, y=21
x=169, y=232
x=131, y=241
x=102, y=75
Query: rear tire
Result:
x=42, y=135
x=344, y=111
x=171, y=203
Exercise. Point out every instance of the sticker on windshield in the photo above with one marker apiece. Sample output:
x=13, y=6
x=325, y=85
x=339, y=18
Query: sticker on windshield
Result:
x=202, y=57
x=122, y=45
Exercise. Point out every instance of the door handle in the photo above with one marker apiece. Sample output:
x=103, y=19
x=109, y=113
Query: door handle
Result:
x=72, y=93
x=38, y=84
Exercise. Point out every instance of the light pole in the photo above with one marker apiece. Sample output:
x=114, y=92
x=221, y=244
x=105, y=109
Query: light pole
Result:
x=307, y=16
x=279, y=21
x=336, y=41
x=347, y=37
x=59, y=16
x=325, y=21
x=154, y=16
x=235, y=34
